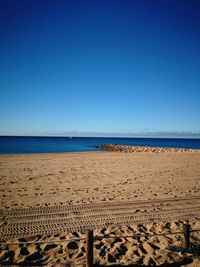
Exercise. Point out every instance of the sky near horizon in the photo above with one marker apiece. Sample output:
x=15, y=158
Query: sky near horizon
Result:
x=99, y=66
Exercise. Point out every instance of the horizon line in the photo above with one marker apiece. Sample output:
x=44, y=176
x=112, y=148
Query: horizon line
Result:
x=172, y=136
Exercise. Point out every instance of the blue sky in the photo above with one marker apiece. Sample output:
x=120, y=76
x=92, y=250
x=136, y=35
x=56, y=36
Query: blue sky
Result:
x=100, y=66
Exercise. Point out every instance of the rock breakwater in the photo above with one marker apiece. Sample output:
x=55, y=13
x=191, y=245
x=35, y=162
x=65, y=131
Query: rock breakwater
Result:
x=132, y=149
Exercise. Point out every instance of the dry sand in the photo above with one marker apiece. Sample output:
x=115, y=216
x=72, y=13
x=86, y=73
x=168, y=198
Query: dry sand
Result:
x=143, y=250
x=73, y=178
x=48, y=179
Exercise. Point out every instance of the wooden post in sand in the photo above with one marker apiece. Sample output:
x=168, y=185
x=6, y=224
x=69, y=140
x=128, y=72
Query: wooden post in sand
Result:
x=89, y=248
x=186, y=233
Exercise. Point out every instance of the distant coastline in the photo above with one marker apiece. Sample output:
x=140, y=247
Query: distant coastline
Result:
x=194, y=136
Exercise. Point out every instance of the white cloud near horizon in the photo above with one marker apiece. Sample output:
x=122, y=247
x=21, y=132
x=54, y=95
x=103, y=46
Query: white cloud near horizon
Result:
x=185, y=134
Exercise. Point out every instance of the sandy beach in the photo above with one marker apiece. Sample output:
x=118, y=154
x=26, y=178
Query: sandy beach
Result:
x=100, y=133
x=48, y=180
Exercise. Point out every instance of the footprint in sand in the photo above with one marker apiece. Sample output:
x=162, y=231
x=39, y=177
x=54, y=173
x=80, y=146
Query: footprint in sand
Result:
x=96, y=189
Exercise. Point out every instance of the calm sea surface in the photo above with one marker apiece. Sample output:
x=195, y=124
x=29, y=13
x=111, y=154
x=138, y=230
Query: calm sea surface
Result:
x=13, y=145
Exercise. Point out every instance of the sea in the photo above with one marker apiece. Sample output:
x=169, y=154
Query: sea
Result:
x=30, y=144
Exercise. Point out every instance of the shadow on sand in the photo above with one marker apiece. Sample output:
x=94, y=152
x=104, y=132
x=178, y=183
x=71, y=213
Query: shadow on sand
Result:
x=40, y=263
x=175, y=264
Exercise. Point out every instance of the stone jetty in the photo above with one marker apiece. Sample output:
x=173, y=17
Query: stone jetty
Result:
x=132, y=149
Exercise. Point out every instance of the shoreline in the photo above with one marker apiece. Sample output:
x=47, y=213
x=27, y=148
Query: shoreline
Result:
x=52, y=153
x=116, y=148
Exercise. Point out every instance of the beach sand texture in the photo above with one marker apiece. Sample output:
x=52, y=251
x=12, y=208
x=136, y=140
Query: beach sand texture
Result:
x=48, y=179
x=100, y=177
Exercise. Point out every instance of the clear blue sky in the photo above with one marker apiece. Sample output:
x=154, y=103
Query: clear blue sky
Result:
x=99, y=66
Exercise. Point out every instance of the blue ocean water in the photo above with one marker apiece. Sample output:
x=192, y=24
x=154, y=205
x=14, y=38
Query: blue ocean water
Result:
x=16, y=144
